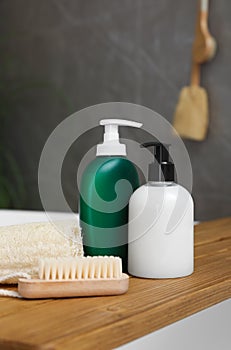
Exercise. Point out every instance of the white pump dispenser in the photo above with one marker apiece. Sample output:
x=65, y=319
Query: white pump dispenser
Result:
x=160, y=229
x=111, y=145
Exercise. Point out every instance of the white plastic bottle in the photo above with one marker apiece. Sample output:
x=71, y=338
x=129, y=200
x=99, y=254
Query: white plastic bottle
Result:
x=160, y=230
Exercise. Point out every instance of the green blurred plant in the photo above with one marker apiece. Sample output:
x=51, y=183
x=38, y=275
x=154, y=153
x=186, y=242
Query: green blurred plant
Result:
x=12, y=189
x=12, y=91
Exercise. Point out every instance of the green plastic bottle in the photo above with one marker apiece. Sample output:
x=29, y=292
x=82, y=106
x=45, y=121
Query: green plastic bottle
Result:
x=105, y=189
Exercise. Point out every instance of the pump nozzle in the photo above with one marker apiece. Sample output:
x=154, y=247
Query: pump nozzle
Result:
x=111, y=145
x=161, y=169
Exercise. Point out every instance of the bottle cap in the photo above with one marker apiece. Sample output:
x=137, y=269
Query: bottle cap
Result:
x=111, y=145
x=161, y=169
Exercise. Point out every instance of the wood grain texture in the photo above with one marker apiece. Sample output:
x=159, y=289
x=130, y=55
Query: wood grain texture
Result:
x=107, y=322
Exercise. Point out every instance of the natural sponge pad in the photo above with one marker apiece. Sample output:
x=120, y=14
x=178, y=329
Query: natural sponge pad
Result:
x=21, y=246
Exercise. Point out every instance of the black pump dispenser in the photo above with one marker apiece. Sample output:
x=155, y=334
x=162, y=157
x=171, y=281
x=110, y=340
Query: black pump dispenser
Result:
x=161, y=169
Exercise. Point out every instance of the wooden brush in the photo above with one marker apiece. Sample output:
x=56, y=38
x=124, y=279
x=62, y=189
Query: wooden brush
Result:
x=74, y=277
x=204, y=46
x=191, y=114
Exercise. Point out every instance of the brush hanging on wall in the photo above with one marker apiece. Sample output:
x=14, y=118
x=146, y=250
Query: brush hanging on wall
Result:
x=192, y=113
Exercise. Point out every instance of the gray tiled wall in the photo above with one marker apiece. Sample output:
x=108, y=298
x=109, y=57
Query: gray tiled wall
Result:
x=58, y=56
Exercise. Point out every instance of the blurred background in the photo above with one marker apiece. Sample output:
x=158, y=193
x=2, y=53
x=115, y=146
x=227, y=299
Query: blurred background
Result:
x=59, y=56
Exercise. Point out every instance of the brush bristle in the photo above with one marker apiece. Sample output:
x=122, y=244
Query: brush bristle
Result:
x=95, y=267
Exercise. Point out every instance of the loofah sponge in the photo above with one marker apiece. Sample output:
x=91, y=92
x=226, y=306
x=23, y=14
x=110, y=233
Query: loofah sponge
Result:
x=21, y=246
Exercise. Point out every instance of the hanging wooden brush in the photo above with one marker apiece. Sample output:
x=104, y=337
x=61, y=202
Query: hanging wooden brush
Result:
x=191, y=115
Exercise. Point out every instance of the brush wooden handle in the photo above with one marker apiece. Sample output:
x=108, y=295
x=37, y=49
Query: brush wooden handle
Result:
x=40, y=289
x=195, y=74
x=204, y=45
x=191, y=114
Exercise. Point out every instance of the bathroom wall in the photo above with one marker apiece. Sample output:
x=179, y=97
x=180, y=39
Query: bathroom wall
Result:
x=58, y=56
